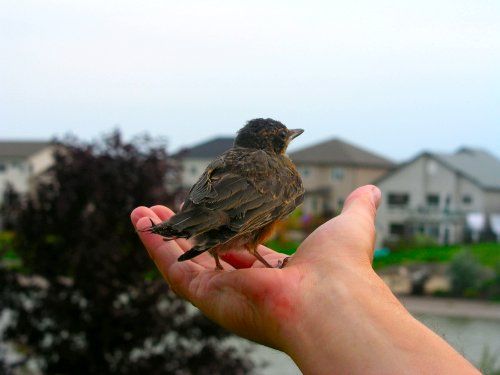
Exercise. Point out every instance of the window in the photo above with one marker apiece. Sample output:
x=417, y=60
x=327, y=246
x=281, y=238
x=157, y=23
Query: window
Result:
x=19, y=165
x=466, y=199
x=2, y=167
x=337, y=174
x=397, y=229
x=398, y=199
x=433, y=230
x=432, y=200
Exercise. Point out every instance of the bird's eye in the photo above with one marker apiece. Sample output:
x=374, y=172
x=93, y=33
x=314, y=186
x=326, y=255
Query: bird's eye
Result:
x=282, y=134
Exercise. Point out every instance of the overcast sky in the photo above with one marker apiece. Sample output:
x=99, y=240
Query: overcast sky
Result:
x=393, y=76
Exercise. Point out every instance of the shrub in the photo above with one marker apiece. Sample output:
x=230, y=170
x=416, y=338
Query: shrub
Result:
x=88, y=299
x=466, y=274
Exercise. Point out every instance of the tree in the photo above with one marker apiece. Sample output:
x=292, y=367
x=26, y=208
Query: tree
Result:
x=86, y=298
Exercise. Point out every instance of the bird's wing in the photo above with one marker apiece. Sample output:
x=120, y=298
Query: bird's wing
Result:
x=248, y=203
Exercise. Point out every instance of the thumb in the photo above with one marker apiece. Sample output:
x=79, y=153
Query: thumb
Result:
x=364, y=200
x=359, y=214
x=350, y=234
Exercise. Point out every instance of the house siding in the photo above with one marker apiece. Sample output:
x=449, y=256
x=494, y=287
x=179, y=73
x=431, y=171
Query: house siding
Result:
x=325, y=193
x=420, y=178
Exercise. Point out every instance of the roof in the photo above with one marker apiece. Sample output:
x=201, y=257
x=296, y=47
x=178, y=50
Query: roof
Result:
x=477, y=165
x=339, y=152
x=208, y=149
x=21, y=149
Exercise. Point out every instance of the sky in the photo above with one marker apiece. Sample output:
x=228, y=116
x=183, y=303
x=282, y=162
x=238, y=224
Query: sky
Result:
x=396, y=77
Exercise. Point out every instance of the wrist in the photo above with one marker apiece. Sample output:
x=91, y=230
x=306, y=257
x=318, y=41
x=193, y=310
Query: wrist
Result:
x=335, y=319
x=354, y=324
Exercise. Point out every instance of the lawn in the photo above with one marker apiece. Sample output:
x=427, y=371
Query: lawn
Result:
x=487, y=254
x=285, y=247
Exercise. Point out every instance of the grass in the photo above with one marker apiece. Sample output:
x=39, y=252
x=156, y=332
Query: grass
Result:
x=285, y=247
x=488, y=254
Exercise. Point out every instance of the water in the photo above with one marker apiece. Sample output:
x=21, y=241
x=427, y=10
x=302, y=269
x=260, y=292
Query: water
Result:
x=470, y=337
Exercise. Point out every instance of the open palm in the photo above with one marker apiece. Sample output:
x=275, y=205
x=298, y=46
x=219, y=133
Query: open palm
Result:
x=327, y=308
x=253, y=301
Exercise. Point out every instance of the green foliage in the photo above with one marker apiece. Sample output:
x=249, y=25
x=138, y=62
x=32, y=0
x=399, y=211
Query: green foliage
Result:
x=466, y=274
x=491, y=287
x=488, y=254
x=489, y=363
x=415, y=242
x=6, y=245
x=285, y=247
x=88, y=299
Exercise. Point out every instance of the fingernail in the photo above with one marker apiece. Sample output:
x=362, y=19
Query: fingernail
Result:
x=376, y=195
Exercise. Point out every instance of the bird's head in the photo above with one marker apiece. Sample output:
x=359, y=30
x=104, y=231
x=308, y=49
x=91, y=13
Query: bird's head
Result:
x=266, y=134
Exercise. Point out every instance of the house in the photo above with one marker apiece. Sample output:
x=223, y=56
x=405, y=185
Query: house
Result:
x=21, y=162
x=332, y=169
x=433, y=195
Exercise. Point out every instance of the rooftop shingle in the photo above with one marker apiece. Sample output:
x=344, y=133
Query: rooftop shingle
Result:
x=339, y=152
x=476, y=164
x=21, y=149
x=209, y=149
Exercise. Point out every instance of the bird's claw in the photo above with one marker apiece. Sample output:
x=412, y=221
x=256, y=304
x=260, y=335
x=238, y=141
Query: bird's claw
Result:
x=150, y=229
x=283, y=263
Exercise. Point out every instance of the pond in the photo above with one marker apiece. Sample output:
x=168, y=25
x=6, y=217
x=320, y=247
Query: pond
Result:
x=470, y=337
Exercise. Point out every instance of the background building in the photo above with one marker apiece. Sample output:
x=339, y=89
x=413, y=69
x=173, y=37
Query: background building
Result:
x=433, y=193
x=21, y=162
x=193, y=160
x=332, y=169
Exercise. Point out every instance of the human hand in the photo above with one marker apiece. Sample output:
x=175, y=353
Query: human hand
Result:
x=327, y=308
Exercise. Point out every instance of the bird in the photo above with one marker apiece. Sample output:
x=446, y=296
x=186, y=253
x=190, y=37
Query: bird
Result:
x=241, y=195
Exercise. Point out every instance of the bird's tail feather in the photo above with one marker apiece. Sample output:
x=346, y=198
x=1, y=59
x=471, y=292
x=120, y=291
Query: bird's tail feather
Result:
x=191, y=253
x=206, y=242
x=185, y=225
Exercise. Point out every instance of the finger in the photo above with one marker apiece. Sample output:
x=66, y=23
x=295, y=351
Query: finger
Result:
x=359, y=214
x=154, y=241
x=145, y=215
x=164, y=255
x=364, y=200
x=165, y=213
x=349, y=236
x=138, y=213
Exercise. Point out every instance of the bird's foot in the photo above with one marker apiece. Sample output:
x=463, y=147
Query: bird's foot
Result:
x=283, y=263
x=218, y=266
x=261, y=259
x=150, y=229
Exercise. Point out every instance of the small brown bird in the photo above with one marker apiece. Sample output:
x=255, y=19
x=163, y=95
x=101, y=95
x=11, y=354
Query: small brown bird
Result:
x=241, y=195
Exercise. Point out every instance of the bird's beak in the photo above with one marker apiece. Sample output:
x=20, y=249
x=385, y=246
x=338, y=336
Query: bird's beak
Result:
x=294, y=133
